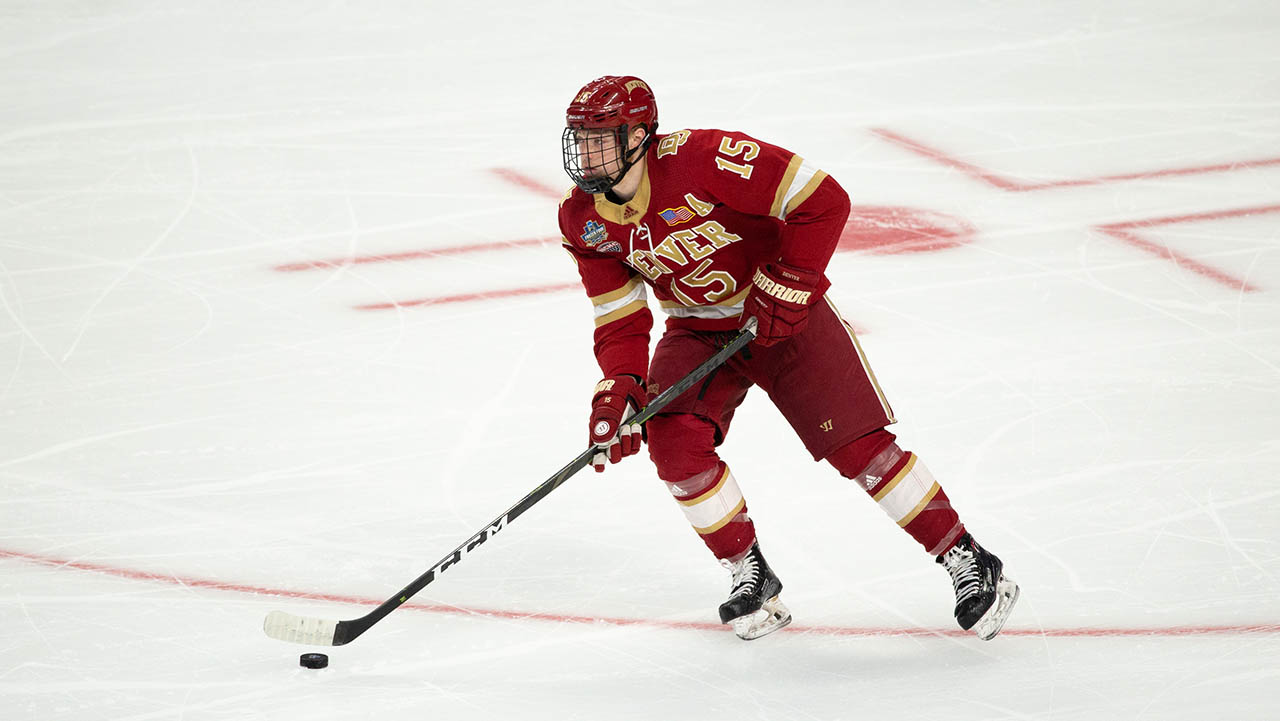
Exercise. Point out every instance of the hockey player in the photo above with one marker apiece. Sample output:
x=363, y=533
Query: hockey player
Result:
x=723, y=227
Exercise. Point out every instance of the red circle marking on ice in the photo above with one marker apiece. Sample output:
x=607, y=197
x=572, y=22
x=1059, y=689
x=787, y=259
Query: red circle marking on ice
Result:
x=887, y=229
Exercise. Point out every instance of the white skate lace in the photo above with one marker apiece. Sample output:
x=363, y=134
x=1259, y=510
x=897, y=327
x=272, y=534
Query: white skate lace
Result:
x=963, y=567
x=746, y=574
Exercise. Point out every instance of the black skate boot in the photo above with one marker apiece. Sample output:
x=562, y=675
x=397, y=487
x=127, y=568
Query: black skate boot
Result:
x=984, y=596
x=753, y=606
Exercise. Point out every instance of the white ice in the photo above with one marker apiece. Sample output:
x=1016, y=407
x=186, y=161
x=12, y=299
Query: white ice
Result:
x=185, y=430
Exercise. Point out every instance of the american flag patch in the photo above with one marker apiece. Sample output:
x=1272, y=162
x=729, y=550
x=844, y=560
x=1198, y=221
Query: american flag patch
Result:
x=676, y=216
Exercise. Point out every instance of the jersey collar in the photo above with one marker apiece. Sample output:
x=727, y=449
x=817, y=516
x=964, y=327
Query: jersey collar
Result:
x=631, y=211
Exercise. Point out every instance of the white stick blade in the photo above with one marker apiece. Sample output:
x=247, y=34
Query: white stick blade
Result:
x=299, y=629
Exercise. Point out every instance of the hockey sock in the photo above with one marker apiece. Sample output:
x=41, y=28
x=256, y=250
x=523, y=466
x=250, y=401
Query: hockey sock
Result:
x=905, y=489
x=714, y=506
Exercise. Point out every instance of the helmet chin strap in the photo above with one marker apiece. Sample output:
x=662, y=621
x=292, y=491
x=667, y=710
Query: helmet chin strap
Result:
x=633, y=156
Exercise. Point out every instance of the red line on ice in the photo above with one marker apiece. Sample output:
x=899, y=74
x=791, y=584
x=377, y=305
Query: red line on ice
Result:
x=510, y=175
x=1120, y=231
x=466, y=297
x=189, y=582
x=1126, y=231
x=413, y=254
x=1192, y=217
x=1016, y=186
x=528, y=183
x=948, y=160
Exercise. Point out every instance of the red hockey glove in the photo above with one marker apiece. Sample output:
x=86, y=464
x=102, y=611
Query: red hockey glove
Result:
x=780, y=298
x=616, y=397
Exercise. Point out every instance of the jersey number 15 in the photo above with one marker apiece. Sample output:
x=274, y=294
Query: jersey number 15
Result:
x=733, y=148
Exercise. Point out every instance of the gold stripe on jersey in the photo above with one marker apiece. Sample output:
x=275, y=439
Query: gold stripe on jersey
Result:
x=619, y=303
x=735, y=300
x=618, y=294
x=804, y=193
x=631, y=211
x=727, y=308
x=624, y=311
x=784, y=185
x=866, y=365
x=706, y=312
x=797, y=184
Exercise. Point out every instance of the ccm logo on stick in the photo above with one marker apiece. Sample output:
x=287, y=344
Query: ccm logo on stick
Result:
x=480, y=538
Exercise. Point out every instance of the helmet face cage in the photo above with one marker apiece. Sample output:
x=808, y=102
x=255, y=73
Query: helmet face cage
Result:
x=596, y=158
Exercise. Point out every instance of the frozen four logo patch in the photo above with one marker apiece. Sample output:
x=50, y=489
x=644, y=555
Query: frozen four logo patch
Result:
x=593, y=233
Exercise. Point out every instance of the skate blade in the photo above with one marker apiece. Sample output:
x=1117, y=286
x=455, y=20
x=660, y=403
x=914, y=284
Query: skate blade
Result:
x=773, y=615
x=988, y=627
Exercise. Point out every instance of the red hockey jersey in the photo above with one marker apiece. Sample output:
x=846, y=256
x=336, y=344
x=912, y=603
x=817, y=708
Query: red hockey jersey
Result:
x=712, y=206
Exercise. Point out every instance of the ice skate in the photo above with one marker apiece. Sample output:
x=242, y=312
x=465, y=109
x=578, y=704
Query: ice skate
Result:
x=984, y=596
x=753, y=607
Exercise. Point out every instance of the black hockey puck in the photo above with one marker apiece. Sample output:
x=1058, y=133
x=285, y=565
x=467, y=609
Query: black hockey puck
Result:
x=314, y=660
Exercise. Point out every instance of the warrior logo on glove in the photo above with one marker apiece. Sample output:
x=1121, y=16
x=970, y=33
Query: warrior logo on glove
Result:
x=780, y=298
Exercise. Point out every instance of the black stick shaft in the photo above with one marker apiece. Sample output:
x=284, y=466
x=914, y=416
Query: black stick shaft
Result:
x=348, y=631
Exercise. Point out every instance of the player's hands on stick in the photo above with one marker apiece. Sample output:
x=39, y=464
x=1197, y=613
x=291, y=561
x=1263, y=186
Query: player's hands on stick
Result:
x=780, y=298
x=616, y=398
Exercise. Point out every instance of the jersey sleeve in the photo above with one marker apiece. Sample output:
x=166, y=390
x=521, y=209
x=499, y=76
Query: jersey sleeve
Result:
x=620, y=306
x=758, y=178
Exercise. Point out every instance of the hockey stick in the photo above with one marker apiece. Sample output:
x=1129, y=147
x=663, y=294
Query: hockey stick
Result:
x=323, y=632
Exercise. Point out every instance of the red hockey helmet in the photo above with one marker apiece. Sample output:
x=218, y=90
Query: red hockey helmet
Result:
x=611, y=101
x=596, y=130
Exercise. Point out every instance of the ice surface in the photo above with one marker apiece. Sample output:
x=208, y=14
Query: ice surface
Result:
x=192, y=435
